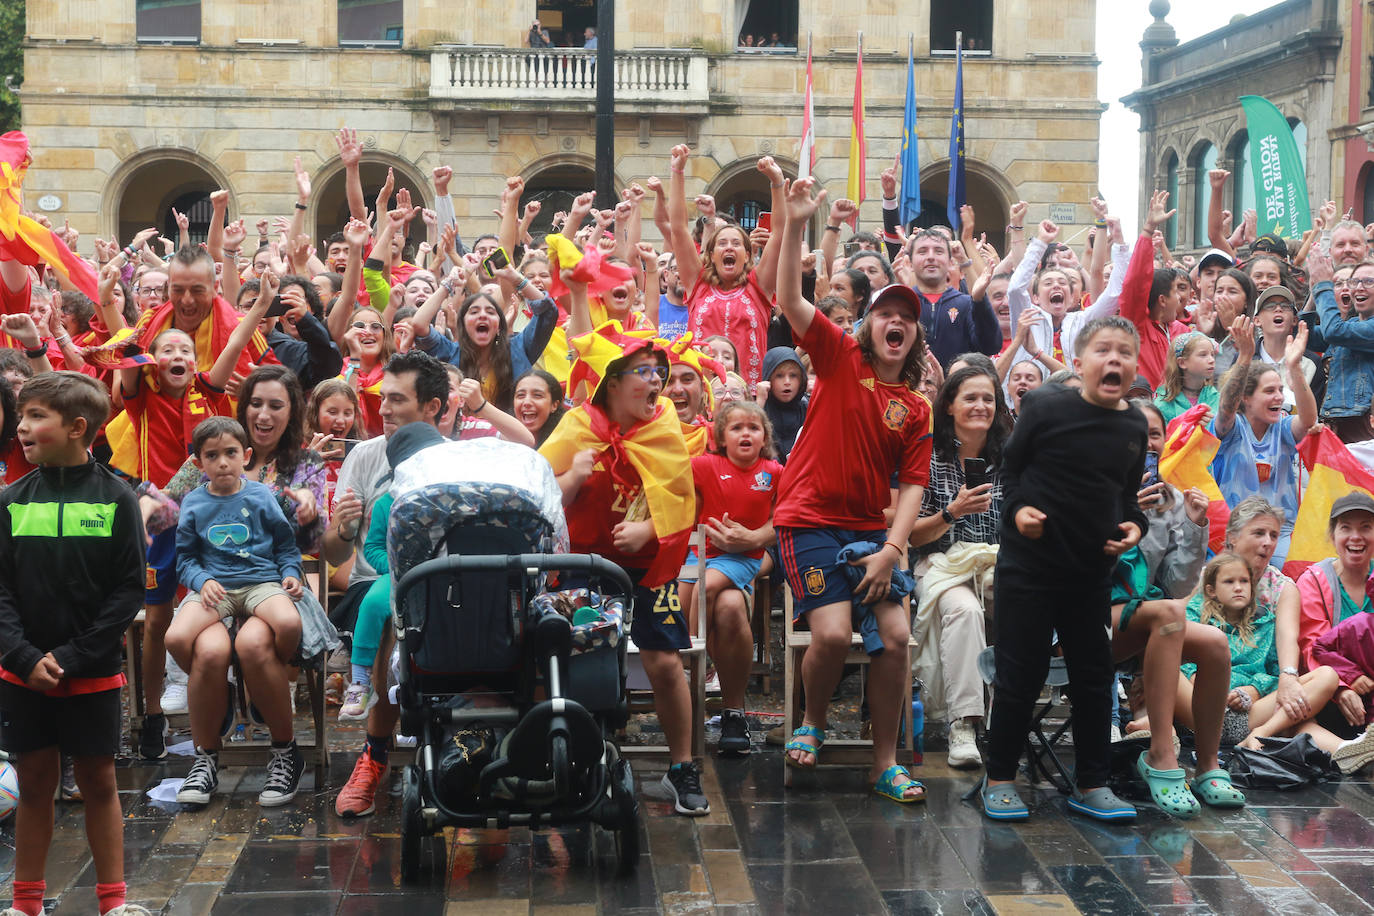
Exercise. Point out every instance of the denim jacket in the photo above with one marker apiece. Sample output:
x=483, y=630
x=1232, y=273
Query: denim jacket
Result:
x=1350, y=382
x=526, y=347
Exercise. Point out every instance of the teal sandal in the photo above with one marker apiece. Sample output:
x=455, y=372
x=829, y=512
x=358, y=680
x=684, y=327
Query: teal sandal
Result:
x=1214, y=787
x=1169, y=789
x=804, y=731
x=888, y=787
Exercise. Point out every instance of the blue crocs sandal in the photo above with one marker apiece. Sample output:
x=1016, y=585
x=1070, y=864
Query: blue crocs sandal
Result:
x=1101, y=804
x=804, y=731
x=1169, y=789
x=888, y=787
x=1214, y=787
x=1000, y=803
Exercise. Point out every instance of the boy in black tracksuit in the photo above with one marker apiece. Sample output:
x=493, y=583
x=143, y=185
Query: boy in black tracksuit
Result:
x=71, y=581
x=1070, y=473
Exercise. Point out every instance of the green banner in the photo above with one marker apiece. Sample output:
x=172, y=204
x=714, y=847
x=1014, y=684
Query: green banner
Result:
x=1280, y=179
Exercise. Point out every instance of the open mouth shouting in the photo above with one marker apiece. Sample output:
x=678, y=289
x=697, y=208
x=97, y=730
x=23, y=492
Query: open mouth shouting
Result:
x=894, y=339
x=620, y=298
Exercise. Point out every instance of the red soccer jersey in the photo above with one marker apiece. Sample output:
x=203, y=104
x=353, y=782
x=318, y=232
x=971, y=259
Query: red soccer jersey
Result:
x=858, y=432
x=745, y=493
x=741, y=314
x=162, y=425
x=600, y=505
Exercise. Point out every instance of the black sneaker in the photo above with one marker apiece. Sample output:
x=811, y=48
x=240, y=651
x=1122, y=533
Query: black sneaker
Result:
x=734, y=734
x=283, y=776
x=683, y=780
x=152, y=738
x=203, y=779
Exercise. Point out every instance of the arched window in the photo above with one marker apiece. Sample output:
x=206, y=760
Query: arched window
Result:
x=1367, y=193
x=555, y=188
x=1171, y=184
x=158, y=186
x=1242, y=179
x=1204, y=160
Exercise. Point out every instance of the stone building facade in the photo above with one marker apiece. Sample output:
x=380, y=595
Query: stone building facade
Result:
x=1309, y=57
x=138, y=106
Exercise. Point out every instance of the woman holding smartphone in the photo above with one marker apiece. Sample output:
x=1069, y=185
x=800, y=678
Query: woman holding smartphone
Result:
x=955, y=541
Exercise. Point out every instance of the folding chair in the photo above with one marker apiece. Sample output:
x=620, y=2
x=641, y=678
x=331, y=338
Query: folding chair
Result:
x=693, y=659
x=1042, y=749
x=843, y=752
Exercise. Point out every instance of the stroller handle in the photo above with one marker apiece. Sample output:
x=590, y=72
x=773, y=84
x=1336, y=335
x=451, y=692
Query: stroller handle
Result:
x=590, y=563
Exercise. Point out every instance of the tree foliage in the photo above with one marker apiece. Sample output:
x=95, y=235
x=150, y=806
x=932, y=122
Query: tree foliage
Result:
x=12, y=30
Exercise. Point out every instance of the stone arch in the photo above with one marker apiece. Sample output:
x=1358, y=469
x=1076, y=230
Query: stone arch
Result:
x=987, y=190
x=143, y=189
x=743, y=192
x=328, y=212
x=554, y=180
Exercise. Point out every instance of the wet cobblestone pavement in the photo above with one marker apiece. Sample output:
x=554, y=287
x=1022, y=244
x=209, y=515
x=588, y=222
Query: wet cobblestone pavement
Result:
x=824, y=846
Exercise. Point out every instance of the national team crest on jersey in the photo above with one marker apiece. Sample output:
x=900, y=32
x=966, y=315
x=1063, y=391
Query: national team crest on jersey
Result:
x=895, y=415
x=815, y=581
x=953, y=315
x=763, y=482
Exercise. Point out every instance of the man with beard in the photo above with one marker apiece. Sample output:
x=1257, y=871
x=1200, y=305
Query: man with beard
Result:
x=953, y=323
x=672, y=312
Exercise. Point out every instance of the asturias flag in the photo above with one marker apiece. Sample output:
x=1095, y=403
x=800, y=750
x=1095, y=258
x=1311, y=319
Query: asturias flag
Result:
x=910, y=201
x=956, y=197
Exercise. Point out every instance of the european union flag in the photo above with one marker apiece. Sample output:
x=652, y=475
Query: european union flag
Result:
x=910, y=202
x=956, y=197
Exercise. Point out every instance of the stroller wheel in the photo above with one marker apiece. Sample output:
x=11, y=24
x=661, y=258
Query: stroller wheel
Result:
x=627, y=832
x=422, y=855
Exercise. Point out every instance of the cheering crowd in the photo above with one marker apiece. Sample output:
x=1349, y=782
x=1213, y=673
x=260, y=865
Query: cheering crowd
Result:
x=923, y=436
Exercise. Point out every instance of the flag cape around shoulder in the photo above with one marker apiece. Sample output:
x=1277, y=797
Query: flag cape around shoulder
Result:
x=25, y=240
x=910, y=194
x=1332, y=473
x=1186, y=462
x=1277, y=168
x=858, y=146
x=651, y=455
x=956, y=198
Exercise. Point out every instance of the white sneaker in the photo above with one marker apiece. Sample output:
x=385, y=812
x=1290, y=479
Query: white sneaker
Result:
x=963, y=746
x=340, y=660
x=1350, y=755
x=357, y=700
x=174, y=698
x=1116, y=733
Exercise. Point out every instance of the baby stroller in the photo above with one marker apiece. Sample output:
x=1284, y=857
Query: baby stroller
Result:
x=512, y=703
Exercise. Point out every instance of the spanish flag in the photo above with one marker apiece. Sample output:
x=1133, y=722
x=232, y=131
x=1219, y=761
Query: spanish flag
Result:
x=858, y=146
x=1186, y=462
x=25, y=240
x=1332, y=473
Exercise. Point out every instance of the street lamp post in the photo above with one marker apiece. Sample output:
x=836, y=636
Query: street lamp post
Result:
x=605, y=104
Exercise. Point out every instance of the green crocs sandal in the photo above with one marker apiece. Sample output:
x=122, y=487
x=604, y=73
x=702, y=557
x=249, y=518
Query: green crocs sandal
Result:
x=804, y=731
x=1169, y=789
x=888, y=788
x=1214, y=787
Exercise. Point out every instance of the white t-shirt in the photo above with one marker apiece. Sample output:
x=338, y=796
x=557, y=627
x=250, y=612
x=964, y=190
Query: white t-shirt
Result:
x=362, y=471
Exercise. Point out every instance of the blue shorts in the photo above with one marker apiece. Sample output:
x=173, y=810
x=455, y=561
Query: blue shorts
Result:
x=808, y=561
x=739, y=568
x=160, y=576
x=660, y=621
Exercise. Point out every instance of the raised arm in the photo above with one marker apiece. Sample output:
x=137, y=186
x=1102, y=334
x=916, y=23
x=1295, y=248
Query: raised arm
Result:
x=841, y=211
x=351, y=153
x=1233, y=384
x=1305, y=403
x=801, y=207
x=1215, y=234
x=341, y=315
x=767, y=272
x=1101, y=248
x=243, y=332
x=508, y=234
x=688, y=261
x=470, y=391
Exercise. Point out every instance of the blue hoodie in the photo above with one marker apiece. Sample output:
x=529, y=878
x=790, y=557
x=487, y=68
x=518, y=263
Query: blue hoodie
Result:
x=786, y=418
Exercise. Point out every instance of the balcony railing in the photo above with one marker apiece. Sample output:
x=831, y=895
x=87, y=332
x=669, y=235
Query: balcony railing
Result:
x=563, y=74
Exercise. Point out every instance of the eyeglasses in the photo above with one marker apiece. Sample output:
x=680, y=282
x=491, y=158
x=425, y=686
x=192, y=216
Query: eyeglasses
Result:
x=365, y=326
x=149, y=291
x=1365, y=282
x=647, y=373
x=1342, y=282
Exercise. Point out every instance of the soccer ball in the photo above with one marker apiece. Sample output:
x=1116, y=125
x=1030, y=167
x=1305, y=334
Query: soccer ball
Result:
x=9, y=789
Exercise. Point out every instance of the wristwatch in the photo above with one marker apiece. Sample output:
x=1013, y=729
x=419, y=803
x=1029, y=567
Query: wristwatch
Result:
x=947, y=515
x=1289, y=670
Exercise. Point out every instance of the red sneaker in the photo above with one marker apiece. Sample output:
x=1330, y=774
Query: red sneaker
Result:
x=358, y=796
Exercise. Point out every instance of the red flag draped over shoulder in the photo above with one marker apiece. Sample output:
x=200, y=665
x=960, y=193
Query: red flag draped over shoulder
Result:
x=1186, y=462
x=25, y=240
x=210, y=337
x=1332, y=473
